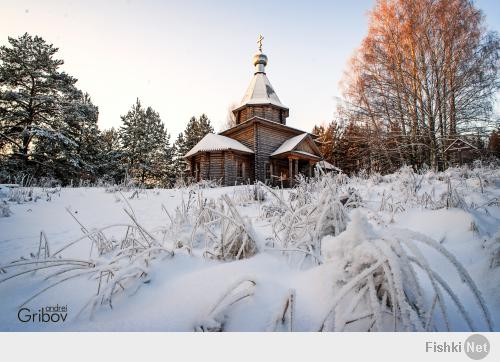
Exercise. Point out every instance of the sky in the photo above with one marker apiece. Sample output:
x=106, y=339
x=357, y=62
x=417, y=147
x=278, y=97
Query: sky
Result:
x=188, y=57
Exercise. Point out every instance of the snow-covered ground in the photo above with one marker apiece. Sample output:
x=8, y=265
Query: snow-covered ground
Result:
x=399, y=252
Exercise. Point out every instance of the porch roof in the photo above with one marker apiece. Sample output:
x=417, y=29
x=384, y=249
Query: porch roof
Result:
x=214, y=142
x=290, y=147
x=289, y=144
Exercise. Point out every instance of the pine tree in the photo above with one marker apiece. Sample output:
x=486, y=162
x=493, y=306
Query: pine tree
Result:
x=169, y=173
x=195, y=130
x=204, y=126
x=111, y=166
x=153, y=149
x=87, y=137
x=72, y=154
x=34, y=97
x=145, y=144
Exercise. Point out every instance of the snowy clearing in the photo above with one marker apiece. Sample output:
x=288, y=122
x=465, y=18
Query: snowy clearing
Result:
x=406, y=251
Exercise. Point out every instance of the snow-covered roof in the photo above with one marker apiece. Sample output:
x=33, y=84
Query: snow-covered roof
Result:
x=216, y=142
x=260, y=91
x=289, y=144
x=325, y=165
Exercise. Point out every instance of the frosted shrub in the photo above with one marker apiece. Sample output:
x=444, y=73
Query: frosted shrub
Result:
x=209, y=184
x=376, y=178
x=427, y=201
x=410, y=181
x=272, y=211
x=248, y=194
x=312, y=211
x=425, y=189
x=363, y=174
x=22, y=195
x=452, y=198
x=331, y=216
x=126, y=185
x=303, y=192
x=378, y=288
x=4, y=209
x=180, y=221
x=388, y=204
x=351, y=198
x=258, y=193
x=227, y=234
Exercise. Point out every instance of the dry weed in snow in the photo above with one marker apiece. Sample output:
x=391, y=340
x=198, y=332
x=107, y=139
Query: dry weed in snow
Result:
x=380, y=289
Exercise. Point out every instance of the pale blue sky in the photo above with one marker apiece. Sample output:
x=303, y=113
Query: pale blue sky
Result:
x=188, y=57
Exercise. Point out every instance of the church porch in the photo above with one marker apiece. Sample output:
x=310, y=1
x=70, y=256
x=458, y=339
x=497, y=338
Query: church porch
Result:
x=282, y=170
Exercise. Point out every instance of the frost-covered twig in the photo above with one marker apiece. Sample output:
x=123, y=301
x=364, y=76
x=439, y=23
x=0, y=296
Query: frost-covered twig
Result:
x=284, y=318
x=217, y=314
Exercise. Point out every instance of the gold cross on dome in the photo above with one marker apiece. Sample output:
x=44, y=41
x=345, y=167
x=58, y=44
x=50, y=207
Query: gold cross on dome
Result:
x=259, y=41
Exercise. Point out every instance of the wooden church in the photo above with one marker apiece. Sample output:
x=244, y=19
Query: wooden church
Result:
x=261, y=146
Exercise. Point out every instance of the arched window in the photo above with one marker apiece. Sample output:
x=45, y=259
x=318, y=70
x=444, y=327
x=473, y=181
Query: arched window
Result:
x=240, y=169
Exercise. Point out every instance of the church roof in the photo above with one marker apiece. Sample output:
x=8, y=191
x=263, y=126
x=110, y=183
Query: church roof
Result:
x=289, y=144
x=215, y=142
x=260, y=91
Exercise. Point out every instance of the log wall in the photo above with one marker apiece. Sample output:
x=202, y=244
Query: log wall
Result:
x=268, y=140
x=216, y=166
x=245, y=136
x=265, y=111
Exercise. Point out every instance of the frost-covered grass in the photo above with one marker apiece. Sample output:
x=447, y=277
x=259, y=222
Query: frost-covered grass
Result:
x=407, y=251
